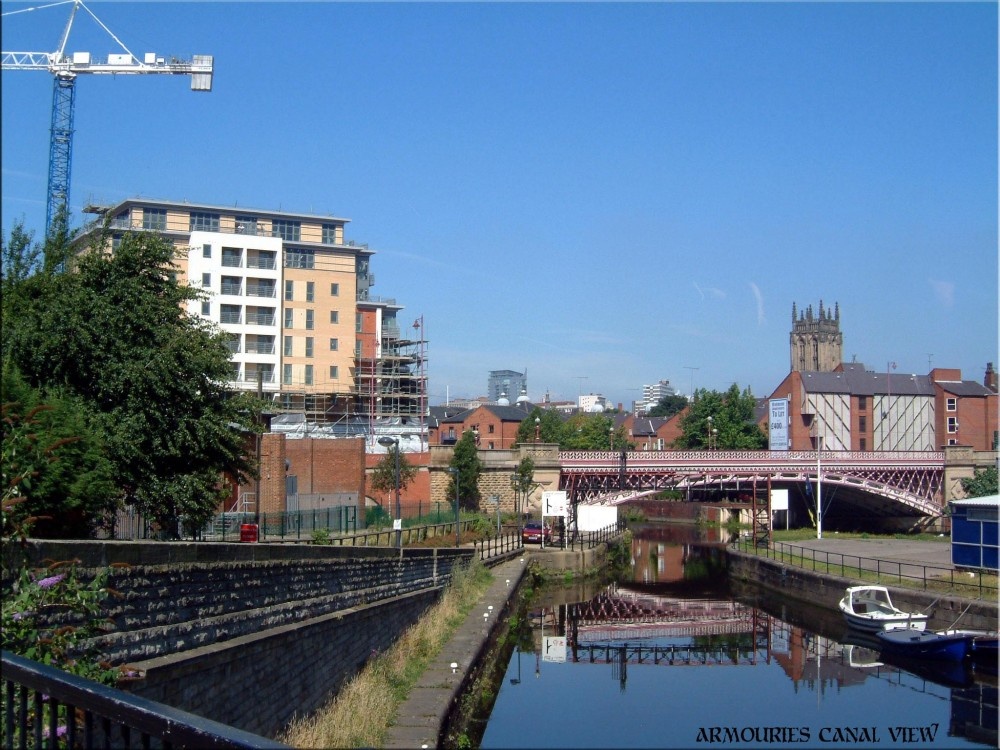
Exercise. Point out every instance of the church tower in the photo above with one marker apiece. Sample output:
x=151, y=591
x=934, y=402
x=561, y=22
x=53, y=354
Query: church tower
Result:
x=816, y=342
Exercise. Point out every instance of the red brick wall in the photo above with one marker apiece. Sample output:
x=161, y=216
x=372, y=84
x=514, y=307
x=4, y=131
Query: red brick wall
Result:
x=414, y=499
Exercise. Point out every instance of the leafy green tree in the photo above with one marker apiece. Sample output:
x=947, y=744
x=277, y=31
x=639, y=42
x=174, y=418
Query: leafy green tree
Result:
x=53, y=460
x=466, y=460
x=982, y=484
x=114, y=332
x=549, y=427
x=590, y=432
x=383, y=478
x=522, y=480
x=731, y=414
x=668, y=406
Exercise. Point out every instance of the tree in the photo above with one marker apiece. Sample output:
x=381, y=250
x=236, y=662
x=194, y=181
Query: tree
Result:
x=114, y=332
x=549, y=427
x=730, y=413
x=466, y=460
x=53, y=460
x=668, y=406
x=590, y=432
x=522, y=480
x=982, y=484
x=383, y=478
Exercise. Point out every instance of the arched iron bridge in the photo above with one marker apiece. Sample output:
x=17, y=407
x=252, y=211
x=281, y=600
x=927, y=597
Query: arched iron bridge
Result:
x=886, y=483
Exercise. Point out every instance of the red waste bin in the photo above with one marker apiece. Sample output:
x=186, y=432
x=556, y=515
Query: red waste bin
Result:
x=248, y=532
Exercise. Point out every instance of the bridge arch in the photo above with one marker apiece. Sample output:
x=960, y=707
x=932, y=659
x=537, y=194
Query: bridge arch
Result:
x=890, y=483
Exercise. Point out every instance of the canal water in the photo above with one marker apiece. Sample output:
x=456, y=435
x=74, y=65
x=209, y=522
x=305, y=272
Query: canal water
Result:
x=672, y=654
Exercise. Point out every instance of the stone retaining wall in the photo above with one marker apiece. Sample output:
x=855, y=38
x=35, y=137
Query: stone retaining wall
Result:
x=827, y=590
x=251, y=634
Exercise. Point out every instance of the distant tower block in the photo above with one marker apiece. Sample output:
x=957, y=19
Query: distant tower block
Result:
x=816, y=343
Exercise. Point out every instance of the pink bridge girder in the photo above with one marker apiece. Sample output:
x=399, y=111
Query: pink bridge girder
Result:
x=911, y=480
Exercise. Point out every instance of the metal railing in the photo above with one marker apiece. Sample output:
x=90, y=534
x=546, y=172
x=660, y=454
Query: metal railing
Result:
x=46, y=707
x=590, y=539
x=914, y=575
x=499, y=545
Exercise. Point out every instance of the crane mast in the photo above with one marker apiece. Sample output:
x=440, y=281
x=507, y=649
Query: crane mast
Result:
x=65, y=68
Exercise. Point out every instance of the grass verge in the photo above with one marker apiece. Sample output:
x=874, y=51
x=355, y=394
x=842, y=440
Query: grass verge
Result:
x=362, y=712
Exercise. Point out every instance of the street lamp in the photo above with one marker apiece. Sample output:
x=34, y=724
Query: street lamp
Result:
x=454, y=472
x=386, y=441
x=611, y=436
x=538, y=429
x=819, y=489
x=708, y=430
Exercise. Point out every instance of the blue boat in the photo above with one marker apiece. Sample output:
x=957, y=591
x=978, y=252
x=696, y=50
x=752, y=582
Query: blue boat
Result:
x=924, y=644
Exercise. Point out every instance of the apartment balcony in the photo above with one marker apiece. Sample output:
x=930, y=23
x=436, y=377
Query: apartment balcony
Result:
x=260, y=290
x=230, y=318
x=268, y=264
x=260, y=319
x=260, y=348
x=233, y=290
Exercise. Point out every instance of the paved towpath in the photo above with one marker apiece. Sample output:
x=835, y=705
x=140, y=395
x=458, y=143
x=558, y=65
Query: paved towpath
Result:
x=903, y=551
x=421, y=716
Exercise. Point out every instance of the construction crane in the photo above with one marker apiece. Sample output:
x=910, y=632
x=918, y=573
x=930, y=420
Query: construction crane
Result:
x=66, y=67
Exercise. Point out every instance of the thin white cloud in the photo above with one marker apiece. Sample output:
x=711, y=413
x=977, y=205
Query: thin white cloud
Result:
x=944, y=291
x=760, y=303
x=711, y=291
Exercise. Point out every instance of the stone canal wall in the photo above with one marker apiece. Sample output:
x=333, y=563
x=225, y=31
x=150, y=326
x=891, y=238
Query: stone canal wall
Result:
x=250, y=634
x=826, y=591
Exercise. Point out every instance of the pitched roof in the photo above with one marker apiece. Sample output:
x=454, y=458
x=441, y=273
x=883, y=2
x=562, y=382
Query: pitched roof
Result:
x=503, y=413
x=966, y=388
x=857, y=381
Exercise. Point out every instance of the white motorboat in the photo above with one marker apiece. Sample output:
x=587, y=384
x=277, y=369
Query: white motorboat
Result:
x=871, y=609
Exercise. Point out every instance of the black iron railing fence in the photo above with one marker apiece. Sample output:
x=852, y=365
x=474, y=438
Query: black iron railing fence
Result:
x=44, y=707
x=977, y=583
x=499, y=545
x=590, y=539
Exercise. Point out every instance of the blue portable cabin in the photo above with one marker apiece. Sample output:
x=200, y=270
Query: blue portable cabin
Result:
x=974, y=532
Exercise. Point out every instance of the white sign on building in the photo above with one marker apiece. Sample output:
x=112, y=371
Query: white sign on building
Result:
x=777, y=424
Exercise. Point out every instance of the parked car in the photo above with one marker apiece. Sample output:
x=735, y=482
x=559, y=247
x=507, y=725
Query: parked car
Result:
x=533, y=532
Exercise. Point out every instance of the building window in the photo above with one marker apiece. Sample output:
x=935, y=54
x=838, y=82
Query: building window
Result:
x=289, y=290
x=863, y=444
x=230, y=314
x=309, y=346
x=206, y=251
x=206, y=280
x=952, y=425
x=310, y=291
x=334, y=316
x=232, y=257
x=246, y=225
x=334, y=375
x=358, y=323
x=154, y=218
x=862, y=403
x=204, y=221
x=309, y=375
x=490, y=430
x=951, y=404
x=357, y=349
x=309, y=319
x=206, y=308
x=232, y=285
x=289, y=231
x=289, y=318
x=862, y=424
x=286, y=374
x=329, y=234
x=952, y=441
x=333, y=345
x=288, y=346
x=335, y=290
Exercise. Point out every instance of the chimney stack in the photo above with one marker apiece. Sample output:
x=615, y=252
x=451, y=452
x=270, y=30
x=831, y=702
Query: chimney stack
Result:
x=990, y=381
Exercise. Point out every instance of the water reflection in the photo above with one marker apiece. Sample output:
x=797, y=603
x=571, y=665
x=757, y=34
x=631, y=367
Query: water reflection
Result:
x=675, y=656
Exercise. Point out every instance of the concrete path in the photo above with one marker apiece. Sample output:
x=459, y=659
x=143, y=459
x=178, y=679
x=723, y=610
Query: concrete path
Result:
x=423, y=714
x=903, y=551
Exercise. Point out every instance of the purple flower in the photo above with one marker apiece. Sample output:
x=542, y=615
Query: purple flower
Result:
x=60, y=731
x=51, y=581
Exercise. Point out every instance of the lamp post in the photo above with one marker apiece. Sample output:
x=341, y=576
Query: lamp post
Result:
x=386, y=441
x=454, y=472
x=819, y=489
x=538, y=429
x=708, y=430
x=611, y=436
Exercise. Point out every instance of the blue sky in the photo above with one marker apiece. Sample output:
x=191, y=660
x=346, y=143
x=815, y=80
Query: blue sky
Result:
x=604, y=194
